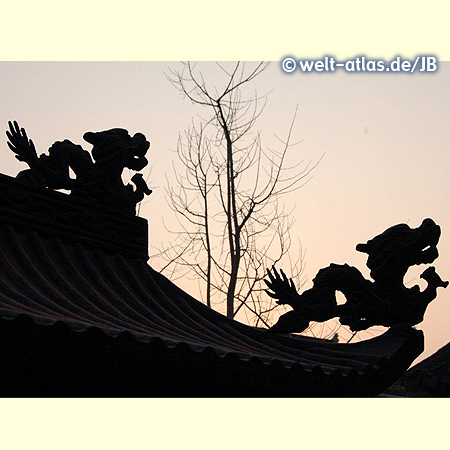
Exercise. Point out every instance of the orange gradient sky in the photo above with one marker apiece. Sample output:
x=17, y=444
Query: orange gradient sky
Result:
x=385, y=138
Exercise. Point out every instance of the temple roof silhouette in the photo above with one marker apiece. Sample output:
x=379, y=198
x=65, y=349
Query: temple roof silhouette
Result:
x=429, y=378
x=83, y=314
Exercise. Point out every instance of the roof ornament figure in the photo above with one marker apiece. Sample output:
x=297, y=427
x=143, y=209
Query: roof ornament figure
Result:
x=385, y=301
x=97, y=178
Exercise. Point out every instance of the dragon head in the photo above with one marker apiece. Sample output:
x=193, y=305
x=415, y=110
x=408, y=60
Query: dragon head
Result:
x=400, y=247
x=116, y=149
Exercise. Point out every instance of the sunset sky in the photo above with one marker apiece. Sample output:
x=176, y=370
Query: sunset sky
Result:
x=384, y=138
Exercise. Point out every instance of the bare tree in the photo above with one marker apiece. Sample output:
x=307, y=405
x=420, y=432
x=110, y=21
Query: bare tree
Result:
x=226, y=194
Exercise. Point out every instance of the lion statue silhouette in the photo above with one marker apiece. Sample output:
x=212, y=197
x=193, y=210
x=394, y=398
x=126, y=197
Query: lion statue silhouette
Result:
x=385, y=301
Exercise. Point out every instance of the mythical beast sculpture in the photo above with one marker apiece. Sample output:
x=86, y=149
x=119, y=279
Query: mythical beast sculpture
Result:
x=98, y=178
x=384, y=301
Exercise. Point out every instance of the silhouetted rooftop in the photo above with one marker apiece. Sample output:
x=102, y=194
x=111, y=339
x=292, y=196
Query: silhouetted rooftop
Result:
x=83, y=314
x=429, y=378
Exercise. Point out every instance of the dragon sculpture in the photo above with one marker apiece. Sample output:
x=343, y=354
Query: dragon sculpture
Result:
x=384, y=301
x=97, y=178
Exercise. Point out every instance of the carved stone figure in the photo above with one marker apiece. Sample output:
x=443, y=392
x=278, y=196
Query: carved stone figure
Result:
x=98, y=178
x=384, y=301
